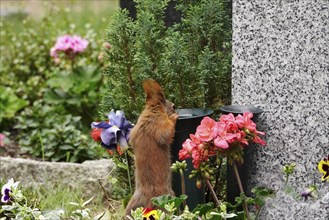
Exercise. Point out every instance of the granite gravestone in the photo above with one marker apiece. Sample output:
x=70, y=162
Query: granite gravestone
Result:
x=281, y=64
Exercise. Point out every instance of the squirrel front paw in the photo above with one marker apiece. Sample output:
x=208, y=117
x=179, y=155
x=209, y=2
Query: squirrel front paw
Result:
x=173, y=117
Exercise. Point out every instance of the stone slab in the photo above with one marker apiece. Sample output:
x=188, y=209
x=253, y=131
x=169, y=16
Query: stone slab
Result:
x=30, y=172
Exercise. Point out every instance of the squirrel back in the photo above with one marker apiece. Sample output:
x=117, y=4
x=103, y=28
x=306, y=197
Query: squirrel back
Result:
x=151, y=138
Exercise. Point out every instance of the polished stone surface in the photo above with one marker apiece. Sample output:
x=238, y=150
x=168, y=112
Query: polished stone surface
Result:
x=281, y=64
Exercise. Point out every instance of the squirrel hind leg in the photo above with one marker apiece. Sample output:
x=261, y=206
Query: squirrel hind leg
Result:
x=134, y=203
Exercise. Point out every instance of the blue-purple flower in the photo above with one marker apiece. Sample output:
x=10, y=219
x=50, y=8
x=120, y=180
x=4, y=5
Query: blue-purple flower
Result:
x=115, y=132
x=309, y=192
x=7, y=189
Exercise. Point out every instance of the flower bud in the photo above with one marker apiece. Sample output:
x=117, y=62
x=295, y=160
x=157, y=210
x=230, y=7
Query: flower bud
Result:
x=198, y=184
x=100, y=57
x=207, y=175
x=107, y=45
x=205, y=153
x=247, y=131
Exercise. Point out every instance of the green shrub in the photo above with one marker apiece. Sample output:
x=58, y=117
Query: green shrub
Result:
x=191, y=59
x=47, y=100
x=53, y=136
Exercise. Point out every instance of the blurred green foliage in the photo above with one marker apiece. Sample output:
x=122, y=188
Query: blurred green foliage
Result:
x=9, y=103
x=191, y=59
x=54, y=136
x=48, y=106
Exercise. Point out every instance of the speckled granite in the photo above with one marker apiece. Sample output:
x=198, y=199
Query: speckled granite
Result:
x=284, y=207
x=281, y=64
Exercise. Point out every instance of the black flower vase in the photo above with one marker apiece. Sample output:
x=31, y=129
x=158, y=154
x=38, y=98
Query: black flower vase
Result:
x=188, y=121
x=233, y=190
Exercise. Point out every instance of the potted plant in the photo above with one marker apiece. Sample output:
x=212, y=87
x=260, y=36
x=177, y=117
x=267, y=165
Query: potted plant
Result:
x=232, y=185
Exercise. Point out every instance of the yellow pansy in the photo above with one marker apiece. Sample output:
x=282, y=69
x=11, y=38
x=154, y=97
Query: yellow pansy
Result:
x=150, y=214
x=323, y=167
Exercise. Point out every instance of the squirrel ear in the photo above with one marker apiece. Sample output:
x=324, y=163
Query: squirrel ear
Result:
x=153, y=91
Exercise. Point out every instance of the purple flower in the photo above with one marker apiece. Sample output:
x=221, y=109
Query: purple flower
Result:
x=114, y=132
x=309, y=192
x=71, y=45
x=7, y=189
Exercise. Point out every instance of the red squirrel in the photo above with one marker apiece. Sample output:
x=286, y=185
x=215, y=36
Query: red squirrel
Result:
x=151, y=138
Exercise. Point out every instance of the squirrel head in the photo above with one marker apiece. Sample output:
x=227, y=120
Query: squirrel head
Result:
x=155, y=96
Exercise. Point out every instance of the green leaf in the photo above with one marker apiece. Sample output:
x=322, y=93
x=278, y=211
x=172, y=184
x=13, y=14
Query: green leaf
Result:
x=122, y=165
x=113, y=180
x=259, y=191
x=66, y=147
x=64, y=84
x=161, y=201
x=203, y=208
x=74, y=203
x=9, y=103
x=55, y=96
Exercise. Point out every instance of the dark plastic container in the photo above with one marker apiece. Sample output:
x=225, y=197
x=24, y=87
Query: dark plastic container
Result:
x=240, y=109
x=244, y=169
x=188, y=121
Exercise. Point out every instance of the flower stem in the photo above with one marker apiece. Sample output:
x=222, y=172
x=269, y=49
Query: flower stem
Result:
x=128, y=172
x=212, y=193
x=286, y=181
x=236, y=172
x=183, y=184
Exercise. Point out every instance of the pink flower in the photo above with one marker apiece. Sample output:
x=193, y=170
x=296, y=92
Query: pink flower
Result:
x=223, y=136
x=213, y=137
x=2, y=140
x=258, y=140
x=194, y=148
x=188, y=146
x=70, y=45
x=221, y=143
x=63, y=43
x=78, y=44
x=198, y=156
x=229, y=120
x=197, y=159
x=241, y=137
x=245, y=121
x=207, y=129
x=186, y=151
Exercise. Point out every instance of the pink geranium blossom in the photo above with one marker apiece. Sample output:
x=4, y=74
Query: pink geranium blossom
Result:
x=188, y=146
x=222, y=137
x=244, y=121
x=257, y=139
x=207, y=129
x=194, y=148
x=70, y=45
x=230, y=122
x=186, y=151
x=213, y=137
